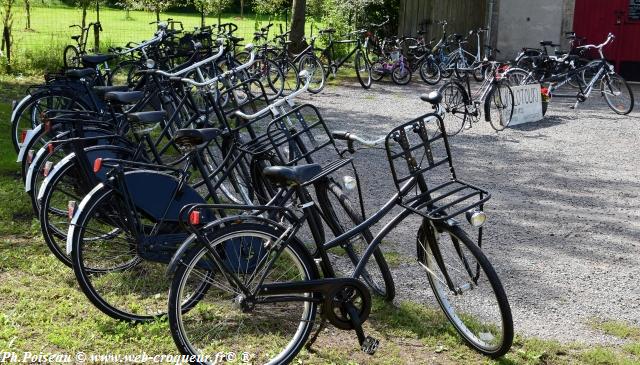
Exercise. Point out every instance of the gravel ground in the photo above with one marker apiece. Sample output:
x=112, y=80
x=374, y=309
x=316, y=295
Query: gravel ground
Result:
x=564, y=220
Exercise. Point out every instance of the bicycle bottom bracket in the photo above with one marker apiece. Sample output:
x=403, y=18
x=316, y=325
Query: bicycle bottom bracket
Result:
x=334, y=306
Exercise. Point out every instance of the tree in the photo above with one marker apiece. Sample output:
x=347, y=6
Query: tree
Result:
x=271, y=7
x=84, y=5
x=129, y=5
x=297, y=24
x=156, y=6
x=6, y=13
x=206, y=7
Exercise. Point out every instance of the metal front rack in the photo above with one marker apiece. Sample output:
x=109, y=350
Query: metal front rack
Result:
x=422, y=169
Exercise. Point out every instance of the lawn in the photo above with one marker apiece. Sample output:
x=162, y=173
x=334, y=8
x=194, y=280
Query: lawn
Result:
x=36, y=48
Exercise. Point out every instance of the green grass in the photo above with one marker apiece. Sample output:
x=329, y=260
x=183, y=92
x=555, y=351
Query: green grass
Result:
x=42, y=309
x=42, y=46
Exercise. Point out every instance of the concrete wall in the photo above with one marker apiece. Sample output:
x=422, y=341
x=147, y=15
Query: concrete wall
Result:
x=524, y=23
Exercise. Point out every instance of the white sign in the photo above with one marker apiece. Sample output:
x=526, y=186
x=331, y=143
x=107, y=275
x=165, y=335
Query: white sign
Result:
x=527, y=100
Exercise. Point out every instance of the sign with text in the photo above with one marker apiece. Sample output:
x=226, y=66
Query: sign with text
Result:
x=527, y=104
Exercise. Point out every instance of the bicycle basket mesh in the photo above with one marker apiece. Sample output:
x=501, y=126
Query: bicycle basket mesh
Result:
x=419, y=155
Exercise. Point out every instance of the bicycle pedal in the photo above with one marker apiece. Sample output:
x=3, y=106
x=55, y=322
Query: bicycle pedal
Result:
x=369, y=345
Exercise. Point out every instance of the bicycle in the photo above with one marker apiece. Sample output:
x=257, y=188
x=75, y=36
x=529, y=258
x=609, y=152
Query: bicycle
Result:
x=273, y=304
x=72, y=53
x=615, y=89
x=462, y=105
x=361, y=63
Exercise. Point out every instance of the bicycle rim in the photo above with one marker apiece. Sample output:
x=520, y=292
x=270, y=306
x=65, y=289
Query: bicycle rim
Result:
x=617, y=94
x=475, y=303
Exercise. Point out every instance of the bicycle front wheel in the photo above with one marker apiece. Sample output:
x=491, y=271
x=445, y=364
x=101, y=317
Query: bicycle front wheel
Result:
x=499, y=106
x=71, y=57
x=272, y=331
x=363, y=70
x=466, y=287
x=617, y=93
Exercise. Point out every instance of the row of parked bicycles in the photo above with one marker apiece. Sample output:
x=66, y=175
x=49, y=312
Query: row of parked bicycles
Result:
x=196, y=192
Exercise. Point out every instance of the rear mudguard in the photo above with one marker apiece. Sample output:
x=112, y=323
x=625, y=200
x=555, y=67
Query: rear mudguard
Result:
x=30, y=135
x=191, y=244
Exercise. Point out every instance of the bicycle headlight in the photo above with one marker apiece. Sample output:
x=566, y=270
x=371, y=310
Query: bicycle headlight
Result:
x=476, y=217
x=151, y=63
x=350, y=182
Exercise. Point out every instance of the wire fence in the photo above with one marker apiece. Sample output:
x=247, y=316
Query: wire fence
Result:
x=41, y=45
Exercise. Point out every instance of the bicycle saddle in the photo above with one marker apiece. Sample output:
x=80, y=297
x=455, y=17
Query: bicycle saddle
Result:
x=81, y=73
x=97, y=58
x=434, y=97
x=102, y=90
x=152, y=117
x=327, y=31
x=75, y=37
x=195, y=137
x=292, y=175
x=548, y=43
x=123, y=97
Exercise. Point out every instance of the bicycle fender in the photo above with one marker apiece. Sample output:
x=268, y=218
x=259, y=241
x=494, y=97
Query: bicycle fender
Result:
x=74, y=220
x=42, y=151
x=55, y=171
x=18, y=106
x=191, y=241
x=30, y=135
x=156, y=194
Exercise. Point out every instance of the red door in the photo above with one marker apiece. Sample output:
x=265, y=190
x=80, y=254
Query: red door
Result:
x=594, y=19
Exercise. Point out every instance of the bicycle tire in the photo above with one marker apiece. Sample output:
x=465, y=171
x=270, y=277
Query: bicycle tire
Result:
x=489, y=340
x=71, y=57
x=331, y=199
x=430, y=72
x=454, y=100
x=278, y=321
x=607, y=91
x=363, y=69
x=400, y=78
x=500, y=98
x=313, y=66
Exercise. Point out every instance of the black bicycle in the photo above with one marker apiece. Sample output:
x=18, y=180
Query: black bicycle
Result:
x=272, y=302
x=332, y=63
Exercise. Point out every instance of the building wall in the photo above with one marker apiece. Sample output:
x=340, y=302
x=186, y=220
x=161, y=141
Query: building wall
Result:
x=524, y=23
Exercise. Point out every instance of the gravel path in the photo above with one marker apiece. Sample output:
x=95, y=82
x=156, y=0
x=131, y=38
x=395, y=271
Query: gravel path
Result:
x=564, y=220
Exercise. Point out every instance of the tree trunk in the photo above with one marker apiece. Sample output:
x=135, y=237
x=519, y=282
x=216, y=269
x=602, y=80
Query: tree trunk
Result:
x=27, y=8
x=241, y=9
x=84, y=16
x=297, y=25
x=158, y=15
x=202, y=19
x=6, y=39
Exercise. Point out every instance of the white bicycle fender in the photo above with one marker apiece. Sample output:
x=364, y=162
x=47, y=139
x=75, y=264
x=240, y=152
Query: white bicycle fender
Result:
x=74, y=220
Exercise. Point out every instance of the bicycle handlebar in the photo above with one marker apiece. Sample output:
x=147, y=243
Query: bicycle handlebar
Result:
x=350, y=137
x=194, y=66
x=252, y=58
x=287, y=99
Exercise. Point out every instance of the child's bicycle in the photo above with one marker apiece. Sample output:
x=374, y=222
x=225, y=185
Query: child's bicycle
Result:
x=393, y=63
x=72, y=53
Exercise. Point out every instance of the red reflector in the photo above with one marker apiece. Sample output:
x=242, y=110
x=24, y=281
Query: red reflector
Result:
x=47, y=168
x=194, y=218
x=30, y=157
x=50, y=148
x=23, y=135
x=71, y=208
x=97, y=165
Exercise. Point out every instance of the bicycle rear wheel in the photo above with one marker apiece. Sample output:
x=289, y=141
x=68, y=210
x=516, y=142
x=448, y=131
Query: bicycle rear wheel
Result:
x=454, y=99
x=430, y=72
x=221, y=320
x=341, y=217
x=499, y=106
x=71, y=57
x=473, y=300
x=313, y=66
x=617, y=93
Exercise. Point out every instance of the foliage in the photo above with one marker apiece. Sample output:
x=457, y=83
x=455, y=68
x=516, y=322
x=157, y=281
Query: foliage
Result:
x=156, y=6
x=206, y=7
x=271, y=7
x=6, y=13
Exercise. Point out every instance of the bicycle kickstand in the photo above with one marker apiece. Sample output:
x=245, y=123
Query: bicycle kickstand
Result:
x=313, y=338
